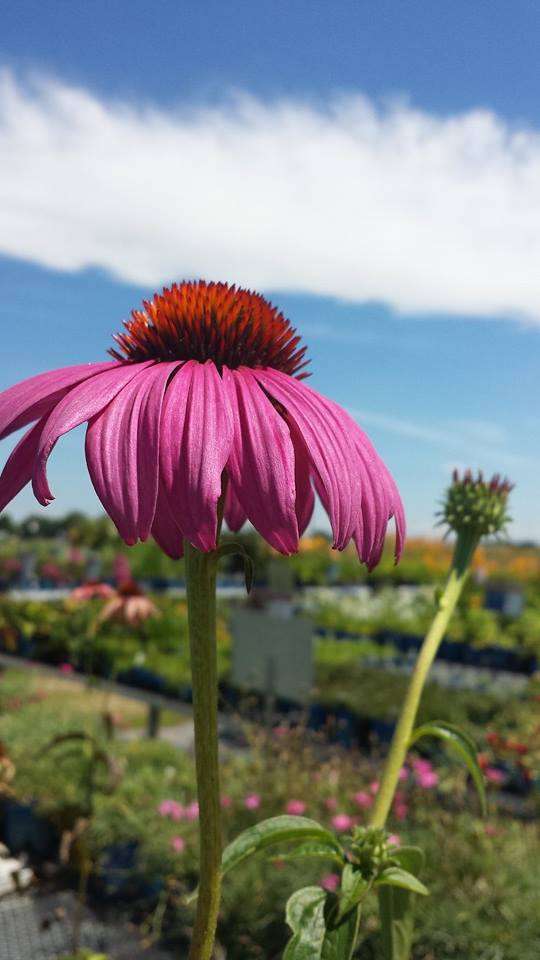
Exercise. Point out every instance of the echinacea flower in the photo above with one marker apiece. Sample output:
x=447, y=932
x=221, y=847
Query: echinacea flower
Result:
x=295, y=808
x=252, y=801
x=205, y=390
x=342, y=822
x=92, y=591
x=363, y=799
x=129, y=605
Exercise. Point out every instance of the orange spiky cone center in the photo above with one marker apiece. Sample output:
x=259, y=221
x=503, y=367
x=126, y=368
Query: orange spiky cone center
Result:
x=202, y=321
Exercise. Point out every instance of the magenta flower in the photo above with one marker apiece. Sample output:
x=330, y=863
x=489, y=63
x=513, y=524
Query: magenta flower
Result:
x=296, y=808
x=191, y=812
x=342, y=822
x=225, y=801
x=66, y=668
x=206, y=385
x=494, y=775
x=178, y=844
x=363, y=799
x=427, y=779
x=171, y=809
x=331, y=882
x=252, y=801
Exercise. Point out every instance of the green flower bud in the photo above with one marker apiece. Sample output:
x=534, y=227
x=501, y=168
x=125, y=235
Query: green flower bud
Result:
x=475, y=506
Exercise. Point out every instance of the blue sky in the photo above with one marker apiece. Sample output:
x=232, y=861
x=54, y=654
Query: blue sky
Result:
x=373, y=167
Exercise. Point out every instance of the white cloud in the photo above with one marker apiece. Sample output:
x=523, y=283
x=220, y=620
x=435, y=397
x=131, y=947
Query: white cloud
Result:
x=351, y=200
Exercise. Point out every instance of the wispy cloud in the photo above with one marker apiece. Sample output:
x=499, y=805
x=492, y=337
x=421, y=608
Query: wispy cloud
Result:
x=483, y=443
x=353, y=200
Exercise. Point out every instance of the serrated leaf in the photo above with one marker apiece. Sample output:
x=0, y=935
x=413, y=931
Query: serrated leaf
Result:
x=462, y=744
x=397, y=877
x=284, y=829
x=305, y=917
x=312, y=851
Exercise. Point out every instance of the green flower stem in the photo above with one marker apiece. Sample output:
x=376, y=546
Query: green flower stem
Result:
x=465, y=547
x=201, y=571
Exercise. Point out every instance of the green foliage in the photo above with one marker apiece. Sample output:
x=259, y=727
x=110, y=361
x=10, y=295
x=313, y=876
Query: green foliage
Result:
x=462, y=744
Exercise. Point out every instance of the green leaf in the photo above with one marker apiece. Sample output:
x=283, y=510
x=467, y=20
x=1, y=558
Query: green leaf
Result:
x=315, y=936
x=462, y=744
x=312, y=851
x=339, y=941
x=233, y=547
x=409, y=858
x=353, y=889
x=284, y=829
x=397, y=877
x=305, y=917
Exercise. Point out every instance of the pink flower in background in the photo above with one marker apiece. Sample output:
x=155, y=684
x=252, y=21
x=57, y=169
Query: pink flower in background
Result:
x=374, y=786
x=191, y=812
x=331, y=803
x=178, y=844
x=394, y=839
x=92, y=591
x=342, y=822
x=225, y=801
x=403, y=774
x=66, y=668
x=122, y=569
x=331, y=882
x=494, y=775
x=129, y=605
x=296, y=808
x=171, y=809
x=363, y=799
x=427, y=779
x=205, y=383
x=420, y=765
x=252, y=801
x=400, y=807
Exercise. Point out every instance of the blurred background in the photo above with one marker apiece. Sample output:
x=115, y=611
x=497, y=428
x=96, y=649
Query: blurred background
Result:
x=373, y=169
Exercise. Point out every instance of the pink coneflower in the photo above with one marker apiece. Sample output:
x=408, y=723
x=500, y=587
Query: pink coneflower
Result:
x=129, y=605
x=191, y=812
x=91, y=591
x=342, y=822
x=296, y=808
x=178, y=844
x=171, y=809
x=206, y=385
x=427, y=779
x=331, y=882
x=252, y=801
x=363, y=799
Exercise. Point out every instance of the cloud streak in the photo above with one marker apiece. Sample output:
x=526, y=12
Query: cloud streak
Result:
x=349, y=199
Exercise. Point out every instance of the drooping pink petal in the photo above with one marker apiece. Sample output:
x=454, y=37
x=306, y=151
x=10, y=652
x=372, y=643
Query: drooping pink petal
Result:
x=330, y=446
x=34, y=398
x=234, y=513
x=79, y=405
x=165, y=529
x=305, y=497
x=261, y=464
x=122, y=452
x=19, y=465
x=196, y=438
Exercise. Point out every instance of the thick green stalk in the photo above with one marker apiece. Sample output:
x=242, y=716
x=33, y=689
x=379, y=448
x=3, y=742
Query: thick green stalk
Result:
x=201, y=570
x=465, y=547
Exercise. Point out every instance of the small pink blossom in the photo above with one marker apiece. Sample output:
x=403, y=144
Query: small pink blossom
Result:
x=66, y=668
x=494, y=775
x=374, y=786
x=330, y=882
x=363, y=799
x=422, y=766
x=252, y=801
x=296, y=808
x=330, y=803
x=281, y=731
x=427, y=779
x=191, y=812
x=342, y=822
x=394, y=839
x=178, y=844
x=400, y=807
x=403, y=774
x=172, y=809
x=226, y=801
